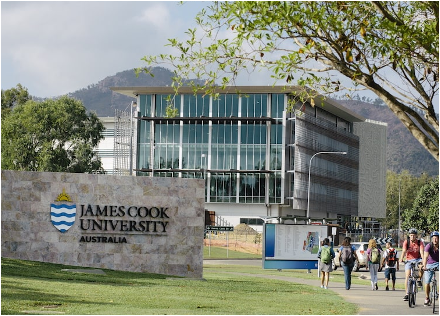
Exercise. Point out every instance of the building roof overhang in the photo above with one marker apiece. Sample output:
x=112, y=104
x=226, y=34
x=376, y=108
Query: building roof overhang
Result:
x=328, y=104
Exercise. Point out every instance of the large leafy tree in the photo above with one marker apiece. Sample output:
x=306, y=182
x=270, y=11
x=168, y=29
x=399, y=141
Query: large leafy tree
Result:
x=390, y=48
x=54, y=135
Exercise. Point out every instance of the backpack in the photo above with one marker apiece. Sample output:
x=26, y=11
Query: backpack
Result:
x=375, y=255
x=347, y=255
x=392, y=257
x=407, y=242
x=326, y=257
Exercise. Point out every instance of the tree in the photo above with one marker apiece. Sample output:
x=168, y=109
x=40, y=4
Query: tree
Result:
x=424, y=213
x=405, y=187
x=390, y=48
x=13, y=97
x=54, y=135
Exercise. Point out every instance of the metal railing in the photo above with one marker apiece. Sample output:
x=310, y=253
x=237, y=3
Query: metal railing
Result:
x=219, y=221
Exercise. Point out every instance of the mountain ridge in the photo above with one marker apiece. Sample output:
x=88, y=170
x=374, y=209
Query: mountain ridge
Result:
x=404, y=152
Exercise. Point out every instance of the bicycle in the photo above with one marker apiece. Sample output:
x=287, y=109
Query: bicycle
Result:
x=433, y=293
x=412, y=286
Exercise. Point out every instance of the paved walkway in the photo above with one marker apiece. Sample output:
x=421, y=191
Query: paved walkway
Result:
x=370, y=302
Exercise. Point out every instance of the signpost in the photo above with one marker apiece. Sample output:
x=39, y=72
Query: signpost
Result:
x=226, y=229
x=220, y=228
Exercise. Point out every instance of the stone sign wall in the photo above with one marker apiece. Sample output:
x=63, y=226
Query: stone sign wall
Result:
x=138, y=224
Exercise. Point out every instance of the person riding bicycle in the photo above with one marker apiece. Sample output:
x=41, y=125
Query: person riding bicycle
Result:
x=413, y=252
x=430, y=261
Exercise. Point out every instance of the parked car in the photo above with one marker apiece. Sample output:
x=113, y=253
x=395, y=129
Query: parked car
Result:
x=361, y=252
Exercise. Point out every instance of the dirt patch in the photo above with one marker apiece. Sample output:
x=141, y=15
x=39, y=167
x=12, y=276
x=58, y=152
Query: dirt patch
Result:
x=242, y=243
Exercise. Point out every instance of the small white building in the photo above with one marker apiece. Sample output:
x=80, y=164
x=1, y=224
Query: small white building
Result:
x=105, y=149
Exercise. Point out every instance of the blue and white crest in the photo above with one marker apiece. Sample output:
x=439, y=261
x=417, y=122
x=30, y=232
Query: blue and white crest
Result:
x=63, y=212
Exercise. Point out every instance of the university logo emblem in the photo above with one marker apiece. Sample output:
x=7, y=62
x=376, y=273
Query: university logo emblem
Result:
x=62, y=212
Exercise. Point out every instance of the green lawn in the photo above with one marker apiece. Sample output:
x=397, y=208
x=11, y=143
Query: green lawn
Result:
x=43, y=288
x=35, y=288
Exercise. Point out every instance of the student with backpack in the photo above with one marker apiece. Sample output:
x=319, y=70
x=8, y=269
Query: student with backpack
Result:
x=347, y=258
x=412, y=251
x=373, y=257
x=326, y=255
x=390, y=263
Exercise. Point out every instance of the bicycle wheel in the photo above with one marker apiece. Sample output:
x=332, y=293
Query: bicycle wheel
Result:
x=410, y=293
x=413, y=292
x=433, y=294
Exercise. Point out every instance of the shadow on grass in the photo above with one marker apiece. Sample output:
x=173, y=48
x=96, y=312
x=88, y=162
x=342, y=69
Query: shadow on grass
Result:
x=51, y=271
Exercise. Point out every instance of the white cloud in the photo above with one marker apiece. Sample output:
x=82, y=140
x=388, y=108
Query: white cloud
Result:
x=156, y=15
x=53, y=48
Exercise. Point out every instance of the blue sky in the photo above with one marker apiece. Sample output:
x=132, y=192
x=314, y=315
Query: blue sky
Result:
x=56, y=47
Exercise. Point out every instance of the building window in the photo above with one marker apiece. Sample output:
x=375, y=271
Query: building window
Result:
x=225, y=106
x=252, y=221
x=223, y=187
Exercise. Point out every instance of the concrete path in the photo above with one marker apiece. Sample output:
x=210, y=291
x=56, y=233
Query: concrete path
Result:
x=370, y=302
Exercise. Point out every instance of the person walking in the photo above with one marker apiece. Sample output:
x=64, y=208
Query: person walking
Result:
x=412, y=251
x=326, y=254
x=390, y=265
x=347, y=258
x=373, y=258
x=430, y=261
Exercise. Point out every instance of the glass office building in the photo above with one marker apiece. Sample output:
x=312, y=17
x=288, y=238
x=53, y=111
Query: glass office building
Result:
x=255, y=156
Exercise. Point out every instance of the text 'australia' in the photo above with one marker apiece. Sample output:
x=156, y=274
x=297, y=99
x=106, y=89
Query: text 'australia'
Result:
x=114, y=240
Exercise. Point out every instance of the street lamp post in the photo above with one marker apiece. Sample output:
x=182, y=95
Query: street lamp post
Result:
x=310, y=164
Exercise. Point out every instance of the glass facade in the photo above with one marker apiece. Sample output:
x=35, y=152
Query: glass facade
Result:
x=234, y=141
x=249, y=150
